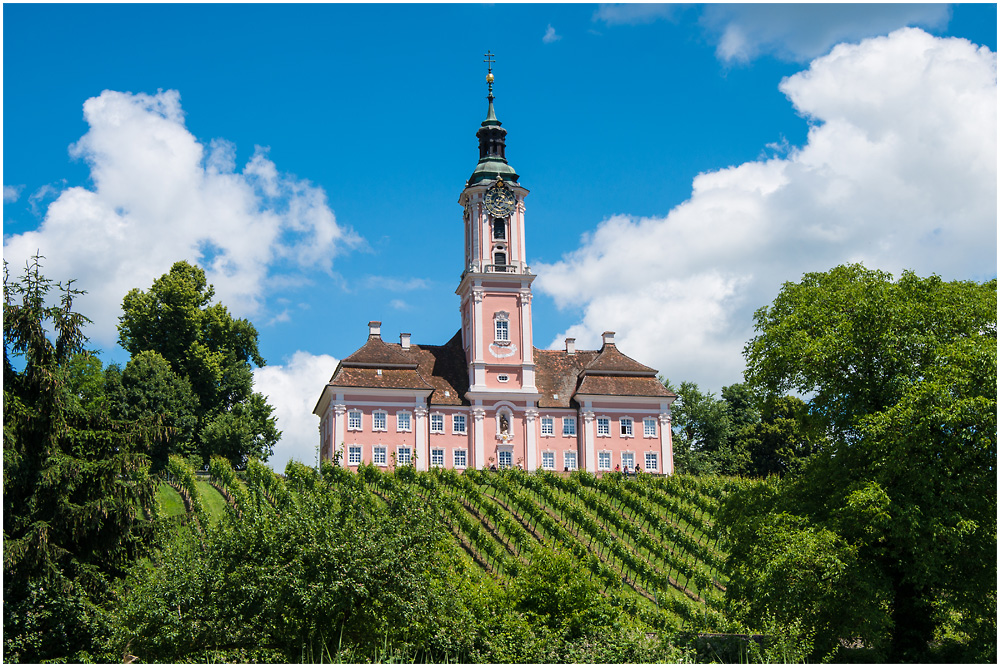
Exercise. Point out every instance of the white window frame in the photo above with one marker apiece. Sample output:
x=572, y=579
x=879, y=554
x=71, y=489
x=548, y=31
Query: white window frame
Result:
x=439, y=418
x=404, y=421
x=567, y=455
x=399, y=455
x=351, y=424
x=378, y=415
x=604, y=454
x=502, y=331
x=626, y=427
x=503, y=377
x=569, y=422
x=631, y=464
x=548, y=460
x=548, y=424
x=460, y=453
x=505, y=454
x=606, y=427
x=438, y=460
x=648, y=427
x=455, y=419
x=354, y=455
x=656, y=461
x=380, y=456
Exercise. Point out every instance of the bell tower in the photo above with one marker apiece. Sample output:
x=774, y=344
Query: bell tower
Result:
x=495, y=287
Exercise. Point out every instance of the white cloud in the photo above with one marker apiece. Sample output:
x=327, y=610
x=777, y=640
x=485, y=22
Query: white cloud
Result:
x=158, y=196
x=11, y=193
x=799, y=32
x=899, y=171
x=293, y=390
x=635, y=13
x=550, y=35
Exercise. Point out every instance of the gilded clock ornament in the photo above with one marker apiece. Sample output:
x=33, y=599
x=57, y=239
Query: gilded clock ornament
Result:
x=499, y=200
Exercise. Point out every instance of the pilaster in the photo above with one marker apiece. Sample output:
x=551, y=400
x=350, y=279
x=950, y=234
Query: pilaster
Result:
x=530, y=415
x=339, y=427
x=589, y=450
x=478, y=415
x=421, y=430
x=666, y=443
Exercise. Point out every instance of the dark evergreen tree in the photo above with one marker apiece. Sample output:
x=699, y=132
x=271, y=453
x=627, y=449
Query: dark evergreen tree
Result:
x=76, y=487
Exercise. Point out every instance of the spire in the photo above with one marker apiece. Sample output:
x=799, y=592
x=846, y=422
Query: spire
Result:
x=492, y=146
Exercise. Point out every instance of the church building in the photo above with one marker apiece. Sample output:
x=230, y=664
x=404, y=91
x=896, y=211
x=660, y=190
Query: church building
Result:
x=488, y=397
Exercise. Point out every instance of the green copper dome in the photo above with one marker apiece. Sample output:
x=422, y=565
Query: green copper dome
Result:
x=492, y=146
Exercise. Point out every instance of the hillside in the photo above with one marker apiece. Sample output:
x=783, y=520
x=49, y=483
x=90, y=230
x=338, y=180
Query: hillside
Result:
x=650, y=541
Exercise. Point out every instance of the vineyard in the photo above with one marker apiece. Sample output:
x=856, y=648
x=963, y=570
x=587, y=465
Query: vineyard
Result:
x=650, y=541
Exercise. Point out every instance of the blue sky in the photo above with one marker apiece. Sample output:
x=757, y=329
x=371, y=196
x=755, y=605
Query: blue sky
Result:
x=683, y=161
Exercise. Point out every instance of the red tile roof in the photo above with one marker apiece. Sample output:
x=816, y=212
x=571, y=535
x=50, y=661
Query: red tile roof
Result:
x=559, y=375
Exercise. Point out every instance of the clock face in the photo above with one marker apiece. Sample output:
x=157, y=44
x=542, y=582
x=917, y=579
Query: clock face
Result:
x=500, y=201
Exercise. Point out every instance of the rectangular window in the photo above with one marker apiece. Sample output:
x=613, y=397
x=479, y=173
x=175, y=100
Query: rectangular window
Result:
x=503, y=331
x=500, y=260
x=402, y=421
x=604, y=460
x=628, y=460
x=548, y=426
x=378, y=456
x=499, y=229
x=548, y=460
x=506, y=459
x=437, y=458
x=437, y=423
x=651, y=461
x=403, y=456
x=460, y=458
x=626, y=426
x=649, y=427
x=569, y=426
x=354, y=456
x=603, y=426
x=458, y=424
x=379, y=421
x=354, y=420
x=569, y=460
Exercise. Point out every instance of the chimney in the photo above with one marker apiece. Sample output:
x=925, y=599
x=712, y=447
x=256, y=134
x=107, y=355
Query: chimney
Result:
x=570, y=346
x=375, y=329
x=404, y=341
x=609, y=337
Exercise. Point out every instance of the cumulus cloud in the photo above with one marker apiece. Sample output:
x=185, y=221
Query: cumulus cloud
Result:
x=800, y=32
x=550, y=35
x=293, y=390
x=899, y=172
x=158, y=196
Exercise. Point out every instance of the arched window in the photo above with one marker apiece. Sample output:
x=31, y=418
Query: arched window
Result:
x=499, y=229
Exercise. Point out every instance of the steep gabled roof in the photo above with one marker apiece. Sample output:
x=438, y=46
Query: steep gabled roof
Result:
x=610, y=361
x=376, y=353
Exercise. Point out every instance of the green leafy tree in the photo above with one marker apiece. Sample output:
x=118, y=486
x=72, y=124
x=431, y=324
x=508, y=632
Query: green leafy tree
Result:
x=901, y=377
x=781, y=440
x=75, y=482
x=149, y=389
x=213, y=351
x=703, y=428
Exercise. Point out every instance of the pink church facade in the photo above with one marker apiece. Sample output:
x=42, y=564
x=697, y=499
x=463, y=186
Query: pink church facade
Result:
x=488, y=397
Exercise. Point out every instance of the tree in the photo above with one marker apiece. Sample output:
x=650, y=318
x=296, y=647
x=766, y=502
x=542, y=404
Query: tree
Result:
x=213, y=351
x=901, y=378
x=703, y=428
x=75, y=482
x=782, y=438
x=149, y=389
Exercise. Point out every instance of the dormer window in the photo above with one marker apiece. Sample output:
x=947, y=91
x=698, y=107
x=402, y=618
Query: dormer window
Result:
x=499, y=229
